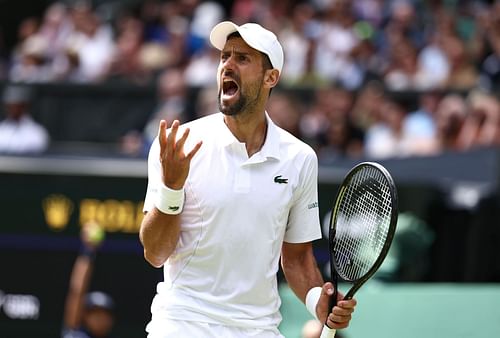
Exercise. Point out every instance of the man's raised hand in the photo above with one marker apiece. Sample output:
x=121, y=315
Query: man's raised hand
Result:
x=174, y=160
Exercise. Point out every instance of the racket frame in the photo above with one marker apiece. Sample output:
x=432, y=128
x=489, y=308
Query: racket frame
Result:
x=332, y=232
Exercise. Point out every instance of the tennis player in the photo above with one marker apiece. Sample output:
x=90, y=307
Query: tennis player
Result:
x=228, y=195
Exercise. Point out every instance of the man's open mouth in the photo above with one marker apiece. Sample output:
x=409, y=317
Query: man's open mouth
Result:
x=229, y=88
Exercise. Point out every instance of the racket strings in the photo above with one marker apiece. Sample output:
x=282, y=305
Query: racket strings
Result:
x=362, y=225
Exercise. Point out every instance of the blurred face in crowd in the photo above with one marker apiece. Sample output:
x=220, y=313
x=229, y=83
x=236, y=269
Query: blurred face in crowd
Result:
x=15, y=110
x=284, y=112
x=27, y=28
x=99, y=321
x=450, y=115
x=393, y=114
x=241, y=78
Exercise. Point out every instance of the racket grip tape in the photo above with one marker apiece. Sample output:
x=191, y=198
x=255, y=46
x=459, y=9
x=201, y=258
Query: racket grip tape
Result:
x=327, y=332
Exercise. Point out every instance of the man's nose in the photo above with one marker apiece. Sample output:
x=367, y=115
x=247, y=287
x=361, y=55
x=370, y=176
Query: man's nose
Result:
x=228, y=63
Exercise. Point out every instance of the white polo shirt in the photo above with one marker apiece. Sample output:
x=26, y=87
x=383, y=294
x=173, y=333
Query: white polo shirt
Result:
x=237, y=213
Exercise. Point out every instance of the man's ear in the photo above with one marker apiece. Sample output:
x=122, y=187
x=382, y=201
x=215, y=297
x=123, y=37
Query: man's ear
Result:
x=271, y=78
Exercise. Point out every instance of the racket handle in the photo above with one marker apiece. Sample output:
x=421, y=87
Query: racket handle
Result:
x=327, y=332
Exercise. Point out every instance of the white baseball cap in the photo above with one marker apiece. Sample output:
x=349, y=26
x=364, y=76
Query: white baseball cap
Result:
x=254, y=35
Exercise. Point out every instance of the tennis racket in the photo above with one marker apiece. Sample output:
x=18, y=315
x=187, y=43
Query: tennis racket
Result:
x=362, y=226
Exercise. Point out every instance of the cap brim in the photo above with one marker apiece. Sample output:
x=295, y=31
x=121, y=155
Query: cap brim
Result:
x=219, y=33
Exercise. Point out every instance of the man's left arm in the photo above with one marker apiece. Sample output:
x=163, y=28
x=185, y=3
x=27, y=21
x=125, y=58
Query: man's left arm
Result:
x=302, y=274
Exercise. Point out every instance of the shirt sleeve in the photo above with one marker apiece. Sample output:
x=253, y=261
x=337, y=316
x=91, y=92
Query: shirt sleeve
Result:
x=303, y=220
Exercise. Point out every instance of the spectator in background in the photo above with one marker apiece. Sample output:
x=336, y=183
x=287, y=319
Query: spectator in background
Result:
x=367, y=104
x=450, y=117
x=172, y=101
x=126, y=60
x=56, y=26
x=340, y=138
x=198, y=73
x=19, y=132
x=408, y=45
x=463, y=73
x=87, y=314
x=167, y=25
x=297, y=36
x=434, y=63
x=172, y=104
x=419, y=125
x=55, y=29
x=27, y=28
x=403, y=23
x=198, y=70
x=285, y=111
x=90, y=45
x=314, y=121
x=135, y=59
x=482, y=123
x=365, y=63
x=386, y=137
x=251, y=11
x=335, y=43
x=370, y=11
x=71, y=44
x=403, y=72
x=343, y=140
x=490, y=66
x=32, y=65
x=204, y=16
x=206, y=101
x=149, y=14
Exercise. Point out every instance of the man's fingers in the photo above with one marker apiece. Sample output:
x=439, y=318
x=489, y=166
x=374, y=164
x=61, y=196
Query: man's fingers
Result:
x=162, y=131
x=335, y=322
x=172, y=136
x=170, y=147
x=327, y=289
x=341, y=314
x=193, y=151
x=339, y=318
x=340, y=311
x=179, y=145
x=347, y=303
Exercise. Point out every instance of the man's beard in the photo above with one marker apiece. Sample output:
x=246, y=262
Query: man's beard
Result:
x=239, y=107
x=232, y=109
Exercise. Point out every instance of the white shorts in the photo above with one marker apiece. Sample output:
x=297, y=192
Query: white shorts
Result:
x=168, y=328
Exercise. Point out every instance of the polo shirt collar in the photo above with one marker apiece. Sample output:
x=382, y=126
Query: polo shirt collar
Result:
x=226, y=136
x=271, y=147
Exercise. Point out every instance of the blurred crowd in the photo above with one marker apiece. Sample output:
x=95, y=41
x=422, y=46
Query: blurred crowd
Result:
x=361, y=77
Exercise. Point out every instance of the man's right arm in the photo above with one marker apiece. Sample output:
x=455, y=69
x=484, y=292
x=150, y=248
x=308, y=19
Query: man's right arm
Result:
x=159, y=235
x=160, y=228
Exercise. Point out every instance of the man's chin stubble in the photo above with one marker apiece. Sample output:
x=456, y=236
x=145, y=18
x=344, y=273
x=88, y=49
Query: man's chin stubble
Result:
x=231, y=109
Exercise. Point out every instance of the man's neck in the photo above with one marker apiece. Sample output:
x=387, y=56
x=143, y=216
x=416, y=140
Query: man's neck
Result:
x=250, y=129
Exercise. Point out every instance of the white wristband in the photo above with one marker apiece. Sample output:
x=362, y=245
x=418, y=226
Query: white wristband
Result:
x=312, y=299
x=170, y=201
